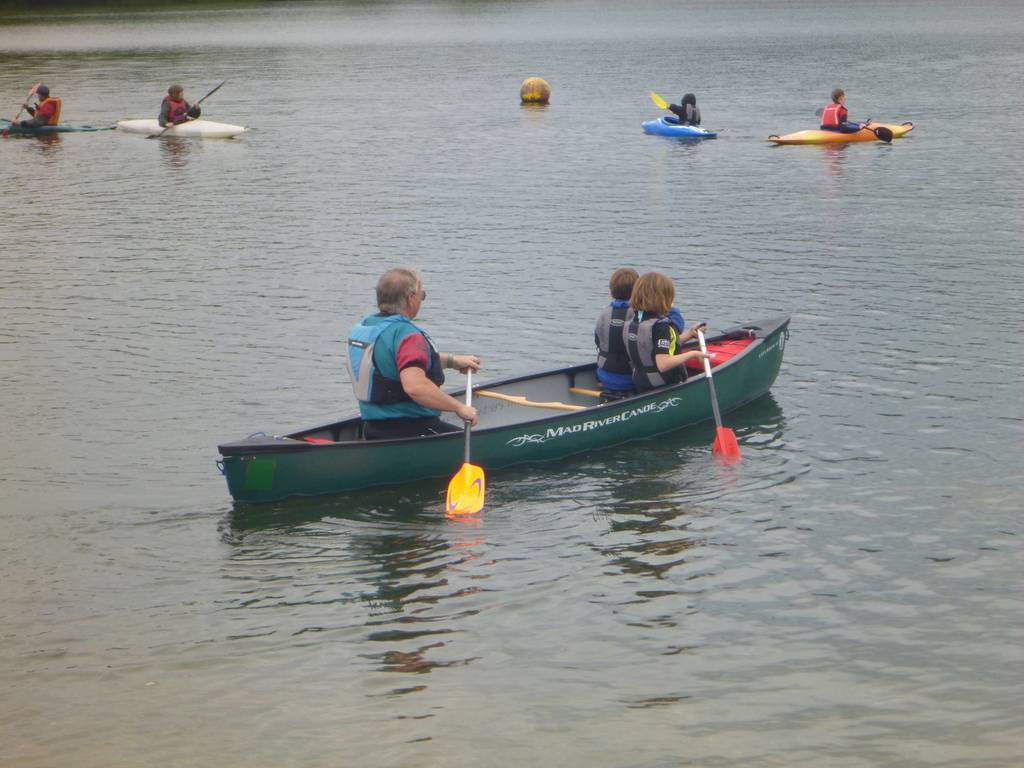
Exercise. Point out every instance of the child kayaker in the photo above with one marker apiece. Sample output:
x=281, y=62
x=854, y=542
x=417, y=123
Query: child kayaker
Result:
x=688, y=112
x=834, y=116
x=45, y=112
x=174, y=109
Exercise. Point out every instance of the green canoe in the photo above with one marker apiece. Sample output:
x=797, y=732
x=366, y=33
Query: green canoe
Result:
x=9, y=129
x=540, y=417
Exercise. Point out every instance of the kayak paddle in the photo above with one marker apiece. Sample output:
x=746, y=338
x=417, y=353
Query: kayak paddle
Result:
x=725, y=446
x=31, y=93
x=165, y=130
x=881, y=132
x=658, y=101
x=466, y=489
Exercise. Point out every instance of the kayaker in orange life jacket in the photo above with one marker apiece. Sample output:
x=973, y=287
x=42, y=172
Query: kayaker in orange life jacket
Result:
x=175, y=109
x=45, y=112
x=834, y=116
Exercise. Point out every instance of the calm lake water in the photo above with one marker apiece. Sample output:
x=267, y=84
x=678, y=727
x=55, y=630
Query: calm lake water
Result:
x=850, y=596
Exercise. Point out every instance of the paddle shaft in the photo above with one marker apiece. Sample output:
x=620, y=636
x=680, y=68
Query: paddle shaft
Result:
x=210, y=93
x=165, y=130
x=469, y=402
x=711, y=380
x=467, y=488
x=31, y=93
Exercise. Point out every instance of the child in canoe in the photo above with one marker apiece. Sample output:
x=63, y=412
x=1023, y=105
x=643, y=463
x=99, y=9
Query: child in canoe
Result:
x=652, y=341
x=614, y=370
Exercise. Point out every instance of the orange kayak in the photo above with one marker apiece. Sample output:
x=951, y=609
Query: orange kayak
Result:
x=818, y=136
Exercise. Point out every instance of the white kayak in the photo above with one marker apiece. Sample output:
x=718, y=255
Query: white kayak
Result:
x=195, y=129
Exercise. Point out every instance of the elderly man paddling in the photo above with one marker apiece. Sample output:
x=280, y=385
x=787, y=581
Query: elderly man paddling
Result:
x=396, y=371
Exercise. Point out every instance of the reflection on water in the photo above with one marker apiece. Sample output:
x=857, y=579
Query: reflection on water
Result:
x=835, y=160
x=409, y=504
x=390, y=552
x=418, y=583
x=47, y=147
x=175, y=151
x=656, y=543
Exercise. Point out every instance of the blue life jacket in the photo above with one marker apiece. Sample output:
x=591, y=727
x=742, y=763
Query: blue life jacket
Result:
x=372, y=346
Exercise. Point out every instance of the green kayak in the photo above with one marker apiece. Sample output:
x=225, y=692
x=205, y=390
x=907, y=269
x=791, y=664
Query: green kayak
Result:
x=7, y=128
x=540, y=417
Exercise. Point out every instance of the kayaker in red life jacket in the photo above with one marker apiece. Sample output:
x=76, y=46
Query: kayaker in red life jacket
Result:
x=834, y=116
x=688, y=112
x=45, y=112
x=175, y=109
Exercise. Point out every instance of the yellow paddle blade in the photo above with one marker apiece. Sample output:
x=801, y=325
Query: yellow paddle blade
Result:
x=658, y=101
x=465, y=491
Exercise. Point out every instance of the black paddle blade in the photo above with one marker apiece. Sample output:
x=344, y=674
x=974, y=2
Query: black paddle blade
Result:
x=883, y=133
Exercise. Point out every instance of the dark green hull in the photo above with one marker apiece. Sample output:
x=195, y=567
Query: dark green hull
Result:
x=6, y=128
x=262, y=468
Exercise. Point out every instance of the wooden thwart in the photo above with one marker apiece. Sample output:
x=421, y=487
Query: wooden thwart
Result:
x=520, y=400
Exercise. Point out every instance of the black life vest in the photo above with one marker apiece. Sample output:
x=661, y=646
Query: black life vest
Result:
x=611, y=344
x=639, y=338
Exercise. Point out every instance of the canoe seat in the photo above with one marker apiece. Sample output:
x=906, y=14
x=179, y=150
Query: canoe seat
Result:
x=520, y=400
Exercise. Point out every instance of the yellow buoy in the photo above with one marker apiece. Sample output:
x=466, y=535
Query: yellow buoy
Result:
x=535, y=90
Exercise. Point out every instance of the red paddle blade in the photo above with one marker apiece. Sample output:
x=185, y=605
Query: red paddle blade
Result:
x=725, y=446
x=465, y=491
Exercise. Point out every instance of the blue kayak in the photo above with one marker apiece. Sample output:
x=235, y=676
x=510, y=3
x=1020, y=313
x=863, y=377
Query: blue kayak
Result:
x=668, y=125
x=8, y=129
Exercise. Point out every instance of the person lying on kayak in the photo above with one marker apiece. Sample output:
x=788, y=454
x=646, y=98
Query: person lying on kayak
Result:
x=175, y=110
x=45, y=112
x=688, y=112
x=652, y=340
x=395, y=369
x=834, y=116
x=613, y=368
